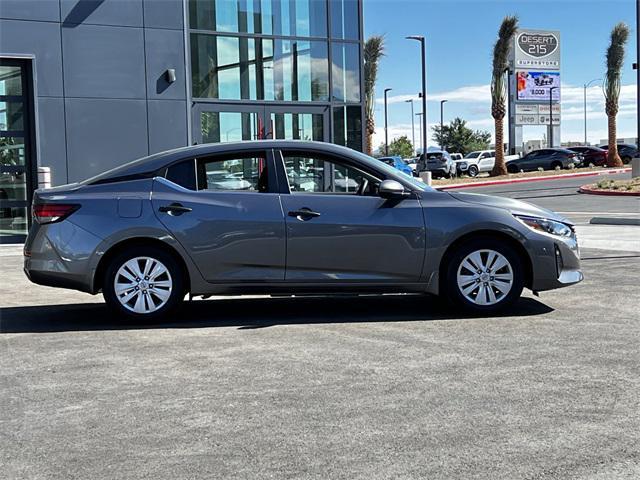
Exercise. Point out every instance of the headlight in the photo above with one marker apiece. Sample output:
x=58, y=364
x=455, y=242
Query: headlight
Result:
x=546, y=226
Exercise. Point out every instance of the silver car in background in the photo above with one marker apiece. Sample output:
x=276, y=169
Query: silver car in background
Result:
x=288, y=217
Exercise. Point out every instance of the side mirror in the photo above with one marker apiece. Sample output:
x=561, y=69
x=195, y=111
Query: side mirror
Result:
x=391, y=189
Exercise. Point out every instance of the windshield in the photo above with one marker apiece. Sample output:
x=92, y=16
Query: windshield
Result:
x=472, y=155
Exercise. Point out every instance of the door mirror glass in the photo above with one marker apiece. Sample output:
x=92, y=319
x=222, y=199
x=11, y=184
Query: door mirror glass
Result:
x=392, y=189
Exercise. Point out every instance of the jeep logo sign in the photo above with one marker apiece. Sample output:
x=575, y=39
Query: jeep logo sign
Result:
x=537, y=45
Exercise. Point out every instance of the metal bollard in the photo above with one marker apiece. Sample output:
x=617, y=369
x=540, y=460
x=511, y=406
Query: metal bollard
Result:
x=44, y=177
x=635, y=167
x=426, y=177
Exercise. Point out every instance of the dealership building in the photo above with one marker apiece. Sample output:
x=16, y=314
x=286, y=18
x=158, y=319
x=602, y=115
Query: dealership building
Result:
x=88, y=85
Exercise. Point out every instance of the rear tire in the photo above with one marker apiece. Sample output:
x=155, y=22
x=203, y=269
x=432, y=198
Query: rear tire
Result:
x=512, y=169
x=473, y=171
x=555, y=165
x=626, y=160
x=483, y=275
x=143, y=283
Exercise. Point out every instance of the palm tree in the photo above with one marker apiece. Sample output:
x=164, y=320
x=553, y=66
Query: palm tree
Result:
x=373, y=52
x=506, y=33
x=615, y=59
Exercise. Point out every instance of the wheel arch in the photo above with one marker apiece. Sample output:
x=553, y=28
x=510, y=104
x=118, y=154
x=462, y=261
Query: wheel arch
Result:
x=494, y=235
x=121, y=246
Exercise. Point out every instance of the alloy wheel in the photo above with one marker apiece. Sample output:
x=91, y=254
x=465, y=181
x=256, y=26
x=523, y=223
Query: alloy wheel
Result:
x=143, y=285
x=485, y=277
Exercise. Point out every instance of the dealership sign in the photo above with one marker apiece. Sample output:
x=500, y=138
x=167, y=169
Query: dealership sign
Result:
x=537, y=49
x=533, y=85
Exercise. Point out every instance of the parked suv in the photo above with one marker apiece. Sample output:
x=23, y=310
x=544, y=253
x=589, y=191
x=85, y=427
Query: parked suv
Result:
x=439, y=163
x=591, y=155
x=625, y=150
x=547, y=159
x=479, y=161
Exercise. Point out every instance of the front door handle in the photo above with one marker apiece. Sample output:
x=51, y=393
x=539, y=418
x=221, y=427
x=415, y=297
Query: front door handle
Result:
x=175, y=209
x=304, y=214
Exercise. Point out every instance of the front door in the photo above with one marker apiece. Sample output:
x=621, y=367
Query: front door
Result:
x=340, y=230
x=225, y=212
x=214, y=123
x=17, y=152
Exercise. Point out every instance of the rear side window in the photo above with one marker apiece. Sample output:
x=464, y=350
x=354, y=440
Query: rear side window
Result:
x=242, y=172
x=183, y=174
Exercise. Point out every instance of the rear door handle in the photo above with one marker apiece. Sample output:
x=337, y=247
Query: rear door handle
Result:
x=304, y=214
x=175, y=209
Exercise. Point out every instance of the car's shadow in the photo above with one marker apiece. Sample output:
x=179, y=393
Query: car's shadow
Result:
x=251, y=313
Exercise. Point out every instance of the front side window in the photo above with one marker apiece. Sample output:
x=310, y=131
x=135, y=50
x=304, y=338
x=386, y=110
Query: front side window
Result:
x=308, y=174
x=237, y=173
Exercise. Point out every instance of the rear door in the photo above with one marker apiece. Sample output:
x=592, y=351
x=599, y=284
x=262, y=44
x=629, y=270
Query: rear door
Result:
x=340, y=230
x=226, y=213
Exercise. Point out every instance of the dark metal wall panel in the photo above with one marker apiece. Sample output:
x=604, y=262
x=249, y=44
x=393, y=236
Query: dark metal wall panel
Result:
x=40, y=10
x=52, y=138
x=167, y=124
x=164, y=50
x=163, y=14
x=104, y=62
x=102, y=12
x=41, y=39
x=104, y=133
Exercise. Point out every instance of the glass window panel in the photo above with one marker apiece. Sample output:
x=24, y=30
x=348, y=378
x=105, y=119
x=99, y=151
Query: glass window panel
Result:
x=237, y=174
x=347, y=127
x=13, y=183
x=11, y=116
x=300, y=71
x=345, y=18
x=314, y=175
x=13, y=221
x=301, y=18
x=12, y=151
x=10, y=80
x=183, y=174
x=232, y=68
x=229, y=126
x=297, y=126
x=346, y=72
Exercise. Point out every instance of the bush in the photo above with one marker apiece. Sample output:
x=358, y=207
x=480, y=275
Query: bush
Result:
x=540, y=169
x=558, y=168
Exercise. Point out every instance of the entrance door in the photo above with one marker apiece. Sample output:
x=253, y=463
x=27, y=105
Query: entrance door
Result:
x=215, y=123
x=17, y=157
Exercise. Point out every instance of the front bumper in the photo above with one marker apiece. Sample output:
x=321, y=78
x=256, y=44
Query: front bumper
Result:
x=555, y=261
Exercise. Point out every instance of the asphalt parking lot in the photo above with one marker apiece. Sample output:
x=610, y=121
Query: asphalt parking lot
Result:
x=371, y=387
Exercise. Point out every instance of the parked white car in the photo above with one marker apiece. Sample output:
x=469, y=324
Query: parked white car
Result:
x=480, y=161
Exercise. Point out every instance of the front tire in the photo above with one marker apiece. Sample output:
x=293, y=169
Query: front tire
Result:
x=484, y=275
x=473, y=171
x=143, y=283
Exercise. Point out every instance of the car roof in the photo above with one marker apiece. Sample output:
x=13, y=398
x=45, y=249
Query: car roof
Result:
x=157, y=161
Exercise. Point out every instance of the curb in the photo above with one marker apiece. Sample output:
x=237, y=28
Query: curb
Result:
x=532, y=179
x=611, y=193
x=614, y=221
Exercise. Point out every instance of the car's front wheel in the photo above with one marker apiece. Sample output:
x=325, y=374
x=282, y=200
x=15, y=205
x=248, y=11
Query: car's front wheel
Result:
x=143, y=283
x=473, y=171
x=484, y=275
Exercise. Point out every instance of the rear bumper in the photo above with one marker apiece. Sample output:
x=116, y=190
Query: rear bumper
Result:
x=56, y=280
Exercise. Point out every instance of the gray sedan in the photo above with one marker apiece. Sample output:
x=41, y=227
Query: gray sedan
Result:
x=277, y=217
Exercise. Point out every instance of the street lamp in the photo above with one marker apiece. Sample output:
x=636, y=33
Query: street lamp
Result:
x=423, y=47
x=413, y=128
x=386, y=121
x=551, y=115
x=587, y=85
x=442, y=102
x=419, y=115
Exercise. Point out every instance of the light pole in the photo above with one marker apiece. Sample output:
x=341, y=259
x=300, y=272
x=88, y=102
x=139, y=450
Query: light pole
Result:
x=551, y=115
x=413, y=128
x=442, y=102
x=423, y=47
x=386, y=132
x=419, y=115
x=587, y=85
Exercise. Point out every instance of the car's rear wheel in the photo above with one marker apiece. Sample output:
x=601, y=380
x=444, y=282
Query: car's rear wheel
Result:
x=556, y=165
x=512, y=168
x=473, y=171
x=626, y=159
x=484, y=275
x=143, y=283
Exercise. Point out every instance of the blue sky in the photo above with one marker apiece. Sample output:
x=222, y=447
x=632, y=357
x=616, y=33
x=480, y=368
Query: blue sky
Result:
x=460, y=35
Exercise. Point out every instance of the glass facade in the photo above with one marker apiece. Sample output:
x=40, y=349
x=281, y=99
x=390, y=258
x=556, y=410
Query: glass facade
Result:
x=276, y=52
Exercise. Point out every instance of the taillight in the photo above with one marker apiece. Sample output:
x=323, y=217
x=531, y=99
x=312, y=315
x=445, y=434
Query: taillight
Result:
x=52, y=212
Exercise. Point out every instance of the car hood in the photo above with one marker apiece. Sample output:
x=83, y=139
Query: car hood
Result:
x=514, y=206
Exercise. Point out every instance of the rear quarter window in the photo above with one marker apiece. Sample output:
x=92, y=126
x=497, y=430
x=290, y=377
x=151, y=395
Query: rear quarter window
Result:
x=183, y=174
